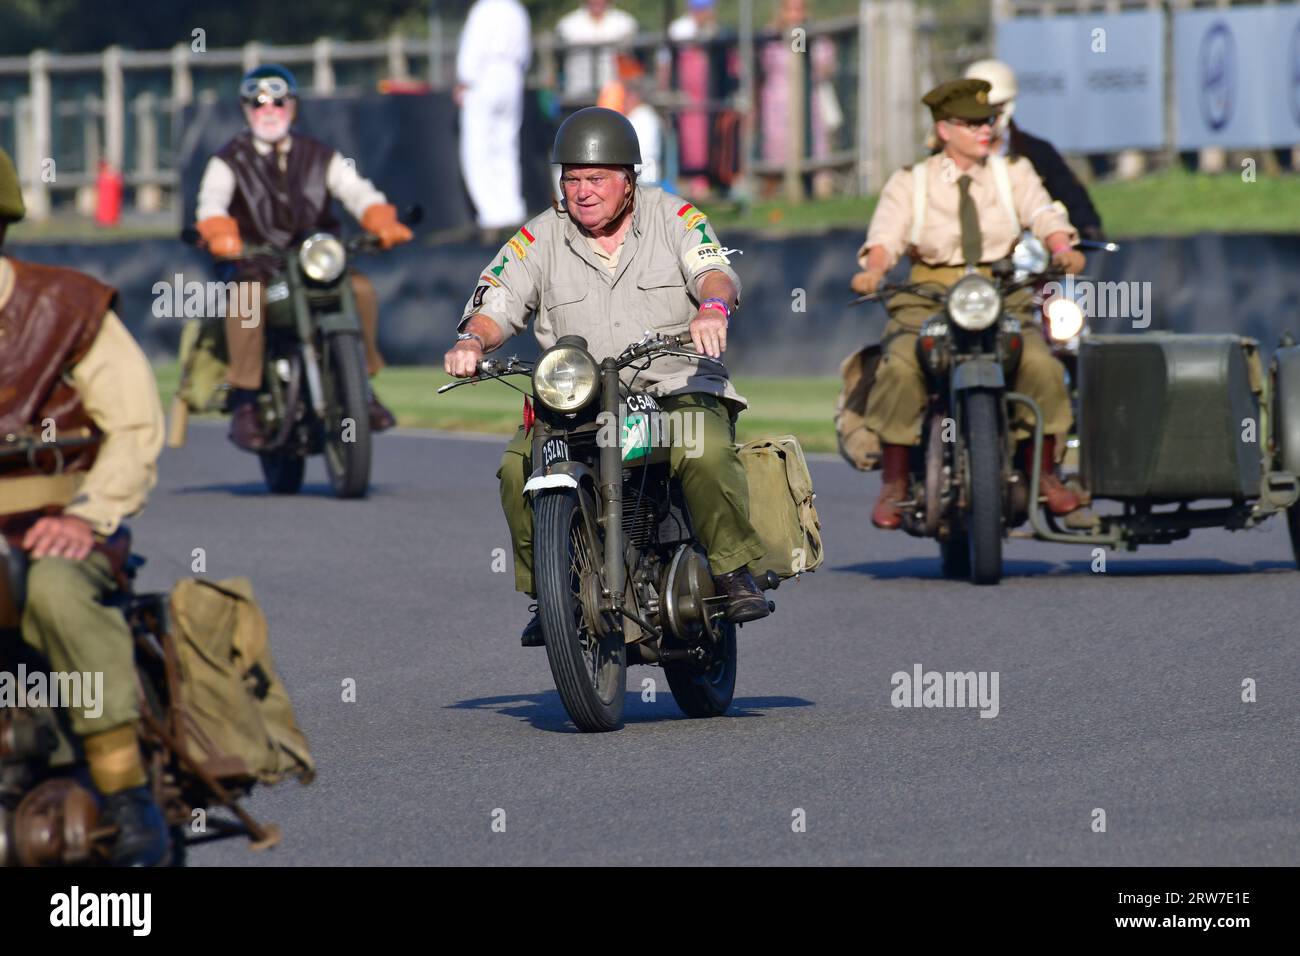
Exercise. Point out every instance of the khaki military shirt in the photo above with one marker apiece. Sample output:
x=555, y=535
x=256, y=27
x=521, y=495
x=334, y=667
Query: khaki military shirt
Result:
x=550, y=270
x=118, y=390
x=939, y=243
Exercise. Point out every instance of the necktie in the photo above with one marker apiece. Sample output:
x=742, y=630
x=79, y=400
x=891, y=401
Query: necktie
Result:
x=971, y=239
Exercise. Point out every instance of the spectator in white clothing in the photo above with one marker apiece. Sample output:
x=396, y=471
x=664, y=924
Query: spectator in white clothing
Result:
x=495, y=50
x=595, y=24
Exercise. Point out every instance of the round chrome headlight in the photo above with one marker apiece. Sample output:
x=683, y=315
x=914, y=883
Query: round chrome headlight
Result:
x=974, y=303
x=565, y=378
x=1029, y=257
x=322, y=257
x=1064, y=319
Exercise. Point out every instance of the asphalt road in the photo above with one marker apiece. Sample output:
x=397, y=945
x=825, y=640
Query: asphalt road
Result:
x=1119, y=690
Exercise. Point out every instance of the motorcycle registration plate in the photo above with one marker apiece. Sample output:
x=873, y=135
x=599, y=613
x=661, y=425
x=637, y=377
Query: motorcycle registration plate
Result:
x=553, y=450
x=635, y=440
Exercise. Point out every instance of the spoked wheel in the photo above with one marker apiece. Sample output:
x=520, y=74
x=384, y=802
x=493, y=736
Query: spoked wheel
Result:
x=347, y=417
x=283, y=471
x=590, y=671
x=984, y=493
x=705, y=688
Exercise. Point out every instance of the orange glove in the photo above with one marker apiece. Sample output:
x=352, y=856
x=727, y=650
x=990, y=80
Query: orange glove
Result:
x=1068, y=260
x=865, y=283
x=381, y=219
x=221, y=234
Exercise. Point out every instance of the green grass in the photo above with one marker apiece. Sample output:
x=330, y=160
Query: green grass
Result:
x=1168, y=203
x=803, y=407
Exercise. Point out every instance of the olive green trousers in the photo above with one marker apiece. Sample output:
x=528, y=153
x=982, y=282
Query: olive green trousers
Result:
x=66, y=623
x=707, y=466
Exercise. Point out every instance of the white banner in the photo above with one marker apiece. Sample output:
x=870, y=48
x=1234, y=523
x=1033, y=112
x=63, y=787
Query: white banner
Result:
x=1090, y=83
x=1237, y=76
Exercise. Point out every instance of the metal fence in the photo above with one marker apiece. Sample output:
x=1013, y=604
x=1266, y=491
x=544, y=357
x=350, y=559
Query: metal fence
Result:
x=851, y=112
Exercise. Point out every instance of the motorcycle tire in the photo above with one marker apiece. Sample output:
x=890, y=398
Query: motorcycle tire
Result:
x=984, y=493
x=1293, y=528
x=706, y=691
x=590, y=671
x=347, y=417
x=283, y=471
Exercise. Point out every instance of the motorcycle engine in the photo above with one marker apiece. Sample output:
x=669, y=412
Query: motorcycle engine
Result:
x=52, y=826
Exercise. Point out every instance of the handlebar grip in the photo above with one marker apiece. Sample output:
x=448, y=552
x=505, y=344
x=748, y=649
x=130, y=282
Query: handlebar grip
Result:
x=683, y=338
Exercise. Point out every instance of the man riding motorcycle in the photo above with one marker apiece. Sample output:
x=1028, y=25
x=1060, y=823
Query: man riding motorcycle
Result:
x=67, y=363
x=958, y=210
x=268, y=187
x=611, y=262
x=1009, y=139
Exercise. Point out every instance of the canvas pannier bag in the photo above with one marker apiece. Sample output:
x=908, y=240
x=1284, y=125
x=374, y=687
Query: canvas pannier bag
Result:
x=781, y=506
x=859, y=446
x=234, y=708
x=202, y=355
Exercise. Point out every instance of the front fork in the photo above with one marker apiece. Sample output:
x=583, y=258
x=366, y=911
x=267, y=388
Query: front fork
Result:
x=611, y=492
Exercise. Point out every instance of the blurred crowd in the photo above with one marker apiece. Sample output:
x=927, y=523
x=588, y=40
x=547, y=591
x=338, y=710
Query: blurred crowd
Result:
x=678, y=95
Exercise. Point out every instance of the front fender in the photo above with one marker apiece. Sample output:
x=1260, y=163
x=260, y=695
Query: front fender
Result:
x=562, y=474
x=978, y=373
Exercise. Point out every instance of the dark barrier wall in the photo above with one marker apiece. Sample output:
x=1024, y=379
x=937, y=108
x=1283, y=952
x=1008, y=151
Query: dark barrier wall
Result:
x=407, y=145
x=1249, y=284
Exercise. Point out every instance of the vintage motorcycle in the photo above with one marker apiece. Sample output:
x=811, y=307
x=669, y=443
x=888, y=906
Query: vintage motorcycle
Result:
x=315, y=392
x=49, y=814
x=1162, y=420
x=621, y=577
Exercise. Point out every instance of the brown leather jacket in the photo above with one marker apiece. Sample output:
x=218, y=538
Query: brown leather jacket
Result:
x=278, y=207
x=46, y=327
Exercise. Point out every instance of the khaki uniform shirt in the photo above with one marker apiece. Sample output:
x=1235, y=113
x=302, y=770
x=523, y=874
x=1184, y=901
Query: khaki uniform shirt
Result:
x=549, y=269
x=118, y=390
x=939, y=243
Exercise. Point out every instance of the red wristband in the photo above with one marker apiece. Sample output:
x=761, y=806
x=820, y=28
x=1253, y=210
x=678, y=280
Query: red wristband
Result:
x=715, y=303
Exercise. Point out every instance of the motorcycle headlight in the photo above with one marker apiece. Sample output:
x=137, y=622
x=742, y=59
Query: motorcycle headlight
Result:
x=1029, y=257
x=1064, y=319
x=974, y=303
x=565, y=378
x=322, y=257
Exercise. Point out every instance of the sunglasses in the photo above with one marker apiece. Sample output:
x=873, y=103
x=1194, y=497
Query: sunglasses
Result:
x=259, y=101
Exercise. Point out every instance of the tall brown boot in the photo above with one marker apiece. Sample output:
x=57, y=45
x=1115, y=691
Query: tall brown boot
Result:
x=1060, y=499
x=893, y=486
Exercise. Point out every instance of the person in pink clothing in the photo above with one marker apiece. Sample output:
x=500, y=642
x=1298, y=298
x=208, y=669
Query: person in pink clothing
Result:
x=691, y=30
x=774, y=95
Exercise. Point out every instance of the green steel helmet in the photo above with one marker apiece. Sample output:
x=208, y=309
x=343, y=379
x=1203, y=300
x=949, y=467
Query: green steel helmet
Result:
x=272, y=79
x=595, y=136
x=11, y=193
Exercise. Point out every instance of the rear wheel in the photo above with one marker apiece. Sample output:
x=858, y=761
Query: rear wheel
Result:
x=984, y=493
x=283, y=471
x=590, y=671
x=347, y=416
x=705, y=689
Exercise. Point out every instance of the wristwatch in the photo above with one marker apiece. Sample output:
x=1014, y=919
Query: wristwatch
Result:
x=472, y=335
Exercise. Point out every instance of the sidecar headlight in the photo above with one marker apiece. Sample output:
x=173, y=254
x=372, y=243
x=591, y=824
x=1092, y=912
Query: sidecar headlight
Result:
x=974, y=303
x=322, y=257
x=565, y=378
x=1064, y=319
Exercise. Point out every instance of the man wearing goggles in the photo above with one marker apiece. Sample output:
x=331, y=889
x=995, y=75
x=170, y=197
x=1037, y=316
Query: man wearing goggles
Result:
x=270, y=188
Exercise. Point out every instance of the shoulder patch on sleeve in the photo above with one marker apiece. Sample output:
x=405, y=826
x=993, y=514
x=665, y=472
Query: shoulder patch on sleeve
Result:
x=705, y=256
x=520, y=242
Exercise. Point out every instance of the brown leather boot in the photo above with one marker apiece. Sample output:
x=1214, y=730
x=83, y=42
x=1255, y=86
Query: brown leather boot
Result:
x=745, y=601
x=893, y=486
x=381, y=419
x=245, y=429
x=1060, y=499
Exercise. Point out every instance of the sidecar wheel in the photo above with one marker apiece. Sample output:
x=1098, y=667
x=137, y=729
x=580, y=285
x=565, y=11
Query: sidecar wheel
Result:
x=590, y=671
x=1293, y=528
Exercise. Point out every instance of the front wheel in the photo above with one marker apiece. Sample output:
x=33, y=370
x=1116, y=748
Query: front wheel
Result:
x=706, y=689
x=590, y=671
x=347, y=417
x=984, y=490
